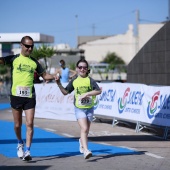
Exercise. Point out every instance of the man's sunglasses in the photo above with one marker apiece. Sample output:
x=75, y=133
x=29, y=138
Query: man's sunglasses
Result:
x=28, y=46
x=80, y=67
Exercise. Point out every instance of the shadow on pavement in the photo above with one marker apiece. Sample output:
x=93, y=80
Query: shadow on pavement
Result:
x=94, y=158
x=125, y=138
x=92, y=139
x=24, y=167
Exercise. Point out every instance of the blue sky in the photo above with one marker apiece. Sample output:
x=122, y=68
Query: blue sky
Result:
x=65, y=19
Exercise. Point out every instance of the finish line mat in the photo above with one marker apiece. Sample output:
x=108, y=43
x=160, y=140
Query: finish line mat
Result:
x=4, y=106
x=48, y=144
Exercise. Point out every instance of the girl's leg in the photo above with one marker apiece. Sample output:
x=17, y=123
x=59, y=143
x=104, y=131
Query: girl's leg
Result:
x=84, y=130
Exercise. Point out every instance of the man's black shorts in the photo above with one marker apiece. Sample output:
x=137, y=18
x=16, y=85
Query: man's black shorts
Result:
x=23, y=103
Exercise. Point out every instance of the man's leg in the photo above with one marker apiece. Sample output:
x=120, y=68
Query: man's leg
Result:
x=29, y=133
x=29, y=124
x=17, y=115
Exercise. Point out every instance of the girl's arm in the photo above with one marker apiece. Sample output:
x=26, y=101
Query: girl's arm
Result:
x=62, y=89
x=91, y=93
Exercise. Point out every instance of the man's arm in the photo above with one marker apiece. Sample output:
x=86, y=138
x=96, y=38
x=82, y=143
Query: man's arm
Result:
x=47, y=76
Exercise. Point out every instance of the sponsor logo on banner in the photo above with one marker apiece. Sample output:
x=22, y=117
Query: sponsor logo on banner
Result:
x=129, y=100
x=159, y=106
x=123, y=101
x=152, y=105
x=96, y=103
x=105, y=99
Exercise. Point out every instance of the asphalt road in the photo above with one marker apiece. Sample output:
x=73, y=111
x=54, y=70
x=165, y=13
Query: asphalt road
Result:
x=153, y=153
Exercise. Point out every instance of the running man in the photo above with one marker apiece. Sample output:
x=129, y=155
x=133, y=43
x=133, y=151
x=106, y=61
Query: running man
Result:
x=22, y=93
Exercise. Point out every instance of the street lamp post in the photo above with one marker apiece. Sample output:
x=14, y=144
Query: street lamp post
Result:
x=76, y=16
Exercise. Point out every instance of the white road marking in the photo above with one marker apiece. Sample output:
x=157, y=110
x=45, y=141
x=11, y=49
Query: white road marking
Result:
x=36, y=126
x=52, y=130
x=103, y=143
x=65, y=134
x=146, y=153
x=129, y=148
x=153, y=155
x=104, y=133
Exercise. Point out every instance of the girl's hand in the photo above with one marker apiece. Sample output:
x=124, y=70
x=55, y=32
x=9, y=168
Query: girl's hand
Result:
x=57, y=78
x=83, y=96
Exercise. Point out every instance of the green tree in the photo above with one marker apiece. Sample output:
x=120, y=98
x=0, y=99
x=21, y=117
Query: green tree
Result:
x=72, y=66
x=3, y=70
x=43, y=52
x=112, y=59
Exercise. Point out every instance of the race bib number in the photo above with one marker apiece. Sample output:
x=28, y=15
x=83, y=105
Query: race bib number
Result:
x=23, y=91
x=85, y=101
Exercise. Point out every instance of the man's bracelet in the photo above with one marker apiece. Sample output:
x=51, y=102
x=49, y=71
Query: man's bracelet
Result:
x=59, y=84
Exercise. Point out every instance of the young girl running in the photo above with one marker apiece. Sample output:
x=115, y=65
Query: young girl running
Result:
x=85, y=91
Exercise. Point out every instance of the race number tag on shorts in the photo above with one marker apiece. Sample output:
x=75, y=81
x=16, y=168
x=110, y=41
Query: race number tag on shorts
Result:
x=85, y=101
x=23, y=91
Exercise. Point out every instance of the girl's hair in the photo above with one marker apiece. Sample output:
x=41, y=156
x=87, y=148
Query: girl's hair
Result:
x=82, y=61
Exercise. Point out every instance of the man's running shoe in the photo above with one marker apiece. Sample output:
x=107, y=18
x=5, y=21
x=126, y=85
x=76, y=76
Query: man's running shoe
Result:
x=87, y=154
x=27, y=156
x=20, y=150
x=81, y=147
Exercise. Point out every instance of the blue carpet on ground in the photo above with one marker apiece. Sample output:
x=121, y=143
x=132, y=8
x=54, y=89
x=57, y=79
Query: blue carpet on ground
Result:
x=47, y=144
x=4, y=106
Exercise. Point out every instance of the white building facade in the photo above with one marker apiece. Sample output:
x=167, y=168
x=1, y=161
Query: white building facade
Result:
x=124, y=45
x=8, y=39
